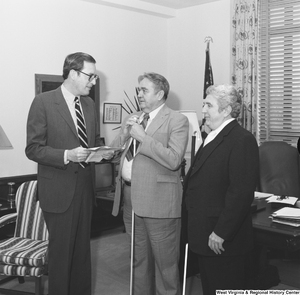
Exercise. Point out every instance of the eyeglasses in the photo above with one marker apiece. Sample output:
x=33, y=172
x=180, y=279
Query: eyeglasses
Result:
x=91, y=76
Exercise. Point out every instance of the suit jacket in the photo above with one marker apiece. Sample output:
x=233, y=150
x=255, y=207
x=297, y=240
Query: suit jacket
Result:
x=219, y=189
x=50, y=131
x=156, y=189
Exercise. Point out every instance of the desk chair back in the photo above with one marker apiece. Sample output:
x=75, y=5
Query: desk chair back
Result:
x=279, y=169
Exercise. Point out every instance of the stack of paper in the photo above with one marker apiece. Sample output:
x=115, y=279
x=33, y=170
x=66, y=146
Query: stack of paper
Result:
x=260, y=195
x=287, y=215
x=284, y=200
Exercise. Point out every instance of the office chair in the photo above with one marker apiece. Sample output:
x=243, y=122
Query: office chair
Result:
x=279, y=169
x=25, y=254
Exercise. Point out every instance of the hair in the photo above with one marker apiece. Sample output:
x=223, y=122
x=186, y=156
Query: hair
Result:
x=75, y=61
x=160, y=82
x=226, y=95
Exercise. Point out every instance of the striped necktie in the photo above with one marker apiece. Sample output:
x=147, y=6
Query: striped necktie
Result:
x=81, y=129
x=129, y=154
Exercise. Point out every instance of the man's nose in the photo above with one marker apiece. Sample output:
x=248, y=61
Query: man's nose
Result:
x=140, y=93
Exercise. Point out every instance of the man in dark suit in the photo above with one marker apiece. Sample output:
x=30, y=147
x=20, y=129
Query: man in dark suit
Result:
x=151, y=186
x=218, y=192
x=65, y=185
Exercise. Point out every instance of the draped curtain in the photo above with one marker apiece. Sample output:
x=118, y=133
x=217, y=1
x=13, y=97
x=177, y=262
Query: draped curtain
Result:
x=244, y=56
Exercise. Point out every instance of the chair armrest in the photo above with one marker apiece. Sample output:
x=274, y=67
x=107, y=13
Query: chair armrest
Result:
x=8, y=218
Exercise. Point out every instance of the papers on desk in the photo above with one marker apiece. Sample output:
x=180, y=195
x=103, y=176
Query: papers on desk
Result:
x=284, y=200
x=287, y=215
x=97, y=153
x=260, y=195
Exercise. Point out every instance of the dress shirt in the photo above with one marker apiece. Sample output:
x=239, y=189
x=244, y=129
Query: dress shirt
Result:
x=127, y=165
x=213, y=134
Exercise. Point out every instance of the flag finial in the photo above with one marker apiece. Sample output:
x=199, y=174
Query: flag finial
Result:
x=207, y=40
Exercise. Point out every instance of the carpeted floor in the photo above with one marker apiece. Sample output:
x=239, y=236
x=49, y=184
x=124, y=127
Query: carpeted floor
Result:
x=111, y=268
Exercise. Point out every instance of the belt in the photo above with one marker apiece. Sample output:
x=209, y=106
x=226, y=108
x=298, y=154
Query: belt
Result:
x=128, y=183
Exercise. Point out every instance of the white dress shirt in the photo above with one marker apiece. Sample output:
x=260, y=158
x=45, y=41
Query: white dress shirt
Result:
x=213, y=134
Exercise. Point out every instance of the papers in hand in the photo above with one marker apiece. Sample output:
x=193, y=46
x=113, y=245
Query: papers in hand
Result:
x=97, y=153
x=287, y=215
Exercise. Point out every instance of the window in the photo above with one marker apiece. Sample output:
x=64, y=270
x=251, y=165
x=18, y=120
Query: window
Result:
x=279, y=71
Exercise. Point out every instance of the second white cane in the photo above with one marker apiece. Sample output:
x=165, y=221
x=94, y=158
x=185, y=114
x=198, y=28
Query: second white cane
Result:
x=185, y=268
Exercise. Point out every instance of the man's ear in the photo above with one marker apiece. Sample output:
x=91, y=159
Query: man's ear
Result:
x=160, y=94
x=228, y=110
x=73, y=74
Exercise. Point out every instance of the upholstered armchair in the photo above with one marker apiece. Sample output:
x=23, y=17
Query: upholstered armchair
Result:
x=25, y=254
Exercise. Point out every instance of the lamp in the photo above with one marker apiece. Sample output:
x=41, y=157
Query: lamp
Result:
x=4, y=141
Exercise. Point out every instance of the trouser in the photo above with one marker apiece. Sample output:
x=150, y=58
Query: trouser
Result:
x=69, y=255
x=156, y=252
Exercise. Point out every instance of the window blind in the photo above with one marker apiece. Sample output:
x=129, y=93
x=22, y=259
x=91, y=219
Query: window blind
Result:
x=279, y=71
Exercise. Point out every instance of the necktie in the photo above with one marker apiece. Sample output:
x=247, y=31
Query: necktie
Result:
x=81, y=129
x=129, y=155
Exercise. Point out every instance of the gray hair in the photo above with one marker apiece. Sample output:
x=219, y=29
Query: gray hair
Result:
x=226, y=95
x=160, y=82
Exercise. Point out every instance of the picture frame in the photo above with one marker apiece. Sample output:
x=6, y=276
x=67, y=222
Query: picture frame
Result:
x=112, y=113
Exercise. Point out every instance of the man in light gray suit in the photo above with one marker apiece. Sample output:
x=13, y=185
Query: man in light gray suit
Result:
x=151, y=186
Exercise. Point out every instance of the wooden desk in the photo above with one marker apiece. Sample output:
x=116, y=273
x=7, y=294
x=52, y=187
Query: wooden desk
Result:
x=270, y=234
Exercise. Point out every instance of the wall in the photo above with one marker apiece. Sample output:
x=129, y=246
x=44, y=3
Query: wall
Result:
x=186, y=51
x=36, y=35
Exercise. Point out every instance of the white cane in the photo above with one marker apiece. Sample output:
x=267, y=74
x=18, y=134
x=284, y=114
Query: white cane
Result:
x=132, y=236
x=185, y=267
x=131, y=252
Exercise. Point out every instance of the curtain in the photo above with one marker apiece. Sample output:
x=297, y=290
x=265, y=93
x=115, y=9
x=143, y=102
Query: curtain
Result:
x=244, y=56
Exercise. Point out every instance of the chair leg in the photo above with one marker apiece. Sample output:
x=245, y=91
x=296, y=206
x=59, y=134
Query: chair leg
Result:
x=21, y=280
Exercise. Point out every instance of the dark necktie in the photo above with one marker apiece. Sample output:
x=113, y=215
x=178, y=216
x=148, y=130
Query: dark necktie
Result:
x=81, y=129
x=130, y=153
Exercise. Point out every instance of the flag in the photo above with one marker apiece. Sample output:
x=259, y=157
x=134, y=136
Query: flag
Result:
x=208, y=80
x=208, y=75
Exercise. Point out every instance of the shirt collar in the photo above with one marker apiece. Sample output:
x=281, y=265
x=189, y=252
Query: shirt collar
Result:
x=153, y=114
x=69, y=97
x=219, y=129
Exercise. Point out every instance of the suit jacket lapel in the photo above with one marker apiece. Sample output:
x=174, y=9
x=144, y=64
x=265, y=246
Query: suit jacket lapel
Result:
x=210, y=147
x=63, y=109
x=159, y=119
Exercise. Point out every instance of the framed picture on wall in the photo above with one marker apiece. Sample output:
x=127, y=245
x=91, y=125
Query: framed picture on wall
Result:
x=112, y=113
